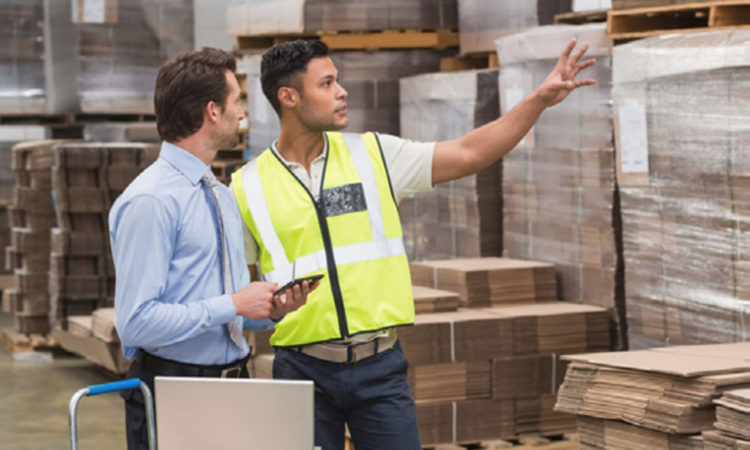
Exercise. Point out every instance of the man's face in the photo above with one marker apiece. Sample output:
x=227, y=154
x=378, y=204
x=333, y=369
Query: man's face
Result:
x=228, y=127
x=322, y=99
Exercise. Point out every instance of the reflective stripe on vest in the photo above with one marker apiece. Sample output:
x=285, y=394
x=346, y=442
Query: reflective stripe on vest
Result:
x=384, y=253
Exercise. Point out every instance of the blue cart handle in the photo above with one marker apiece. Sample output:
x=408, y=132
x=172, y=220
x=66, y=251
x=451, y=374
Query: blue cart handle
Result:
x=132, y=383
x=116, y=386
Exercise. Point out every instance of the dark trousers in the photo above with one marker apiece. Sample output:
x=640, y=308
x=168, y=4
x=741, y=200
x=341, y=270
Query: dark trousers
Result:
x=371, y=396
x=135, y=412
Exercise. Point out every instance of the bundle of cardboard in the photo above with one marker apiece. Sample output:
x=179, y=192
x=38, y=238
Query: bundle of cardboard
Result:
x=119, y=54
x=680, y=104
x=261, y=17
x=31, y=216
x=479, y=374
x=666, y=395
x=86, y=179
x=559, y=185
x=460, y=218
x=94, y=337
x=732, y=422
x=488, y=281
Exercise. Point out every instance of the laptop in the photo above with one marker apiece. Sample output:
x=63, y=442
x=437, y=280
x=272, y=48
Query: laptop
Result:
x=204, y=413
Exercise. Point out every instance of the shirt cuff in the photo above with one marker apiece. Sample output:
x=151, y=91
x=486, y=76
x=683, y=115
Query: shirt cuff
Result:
x=222, y=308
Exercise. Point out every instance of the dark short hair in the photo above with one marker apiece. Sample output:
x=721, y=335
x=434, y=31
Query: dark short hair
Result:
x=184, y=86
x=281, y=62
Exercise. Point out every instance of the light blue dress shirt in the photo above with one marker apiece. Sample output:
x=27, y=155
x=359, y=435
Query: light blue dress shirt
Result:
x=169, y=296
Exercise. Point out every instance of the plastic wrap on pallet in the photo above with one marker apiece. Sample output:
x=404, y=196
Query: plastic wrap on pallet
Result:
x=461, y=218
x=559, y=190
x=481, y=22
x=37, y=65
x=683, y=122
x=121, y=132
x=118, y=62
x=371, y=79
x=257, y=17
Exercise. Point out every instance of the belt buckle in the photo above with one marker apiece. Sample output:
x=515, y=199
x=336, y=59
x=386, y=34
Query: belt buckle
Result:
x=231, y=372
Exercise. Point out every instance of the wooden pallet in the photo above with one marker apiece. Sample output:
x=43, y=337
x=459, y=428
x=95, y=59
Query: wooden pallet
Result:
x=686, y=18
x=68, y=119
x=580, y=18
x=470, y=62
x=18, y=342
x=525, y=442
x=376, y=40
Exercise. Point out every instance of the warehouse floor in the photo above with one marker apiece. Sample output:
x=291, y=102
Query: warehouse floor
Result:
x=35, y=396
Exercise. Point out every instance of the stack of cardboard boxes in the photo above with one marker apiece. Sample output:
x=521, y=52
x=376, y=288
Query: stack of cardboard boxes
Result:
x=86, y=179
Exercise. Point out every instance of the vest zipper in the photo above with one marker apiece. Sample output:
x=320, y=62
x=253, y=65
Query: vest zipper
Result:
x=333, y=274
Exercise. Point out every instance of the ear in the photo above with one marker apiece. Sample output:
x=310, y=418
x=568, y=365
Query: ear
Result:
x=211, y=112
x=288, y=97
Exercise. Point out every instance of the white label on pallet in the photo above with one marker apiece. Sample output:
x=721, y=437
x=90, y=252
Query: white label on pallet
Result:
x=94, y=11
x=631, y=120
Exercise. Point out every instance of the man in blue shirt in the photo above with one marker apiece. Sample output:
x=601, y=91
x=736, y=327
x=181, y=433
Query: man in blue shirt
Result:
x=183, y=291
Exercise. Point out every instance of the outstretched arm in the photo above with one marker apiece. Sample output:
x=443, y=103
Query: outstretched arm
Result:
x=481, y=147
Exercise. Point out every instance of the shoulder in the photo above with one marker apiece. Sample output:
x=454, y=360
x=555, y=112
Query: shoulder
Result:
x=157, y=188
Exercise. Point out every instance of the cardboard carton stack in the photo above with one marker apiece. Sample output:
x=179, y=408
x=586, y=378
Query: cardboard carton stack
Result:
x=560, y=201
x=461, y=218
x=31, y=217
x=119, y=53
x=37, y=64
x=683, y=173
x=488, y=281
x=427, y=300
x=260, y=17
x=86, y=179
x=10, y=135
x=664, y=394
x=732, y=422
x=481, y=22
x=94, y=337
x=482, y=374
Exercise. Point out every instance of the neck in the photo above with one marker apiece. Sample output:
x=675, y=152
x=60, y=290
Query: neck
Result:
x=198, y=146
x=299, y=144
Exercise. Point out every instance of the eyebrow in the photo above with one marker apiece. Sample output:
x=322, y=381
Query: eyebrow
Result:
x=326, y=77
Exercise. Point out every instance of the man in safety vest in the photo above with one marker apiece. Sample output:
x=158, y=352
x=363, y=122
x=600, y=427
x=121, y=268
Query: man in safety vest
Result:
x=323, y=202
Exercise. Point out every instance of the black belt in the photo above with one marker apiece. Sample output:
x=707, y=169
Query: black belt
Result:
x=168, y=367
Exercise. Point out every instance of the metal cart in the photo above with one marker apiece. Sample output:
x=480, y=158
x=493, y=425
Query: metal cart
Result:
x=117, y=386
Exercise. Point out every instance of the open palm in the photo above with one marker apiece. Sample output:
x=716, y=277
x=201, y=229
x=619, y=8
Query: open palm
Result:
x=562, y=80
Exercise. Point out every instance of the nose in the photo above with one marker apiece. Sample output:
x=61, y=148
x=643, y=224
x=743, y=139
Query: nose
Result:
x=342, y=94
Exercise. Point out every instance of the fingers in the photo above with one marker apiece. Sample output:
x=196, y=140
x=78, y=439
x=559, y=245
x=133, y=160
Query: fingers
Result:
x=578, y=54
x=566, y=53
x=580, y=66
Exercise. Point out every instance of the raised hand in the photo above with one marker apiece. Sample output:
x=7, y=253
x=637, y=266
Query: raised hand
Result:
x=562, y=80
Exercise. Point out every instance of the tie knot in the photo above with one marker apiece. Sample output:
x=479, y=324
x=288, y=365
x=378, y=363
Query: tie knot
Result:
x=209, y=179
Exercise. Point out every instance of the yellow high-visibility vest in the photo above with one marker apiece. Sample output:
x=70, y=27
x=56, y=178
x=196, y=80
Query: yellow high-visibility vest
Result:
x=352, y=235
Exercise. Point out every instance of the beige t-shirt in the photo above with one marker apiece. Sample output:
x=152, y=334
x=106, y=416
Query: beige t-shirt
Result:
x=409, y=166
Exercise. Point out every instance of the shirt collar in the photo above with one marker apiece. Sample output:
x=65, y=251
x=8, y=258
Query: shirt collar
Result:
x=184, y=161
x=291, y=163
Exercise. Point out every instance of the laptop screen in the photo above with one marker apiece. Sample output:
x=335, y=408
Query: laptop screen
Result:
x=201, y=413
